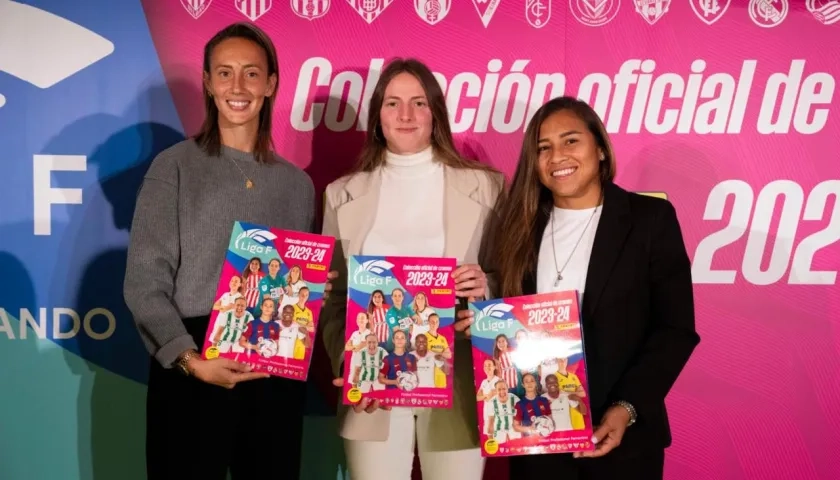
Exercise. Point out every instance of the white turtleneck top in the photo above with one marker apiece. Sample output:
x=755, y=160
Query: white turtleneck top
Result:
x=409, y=214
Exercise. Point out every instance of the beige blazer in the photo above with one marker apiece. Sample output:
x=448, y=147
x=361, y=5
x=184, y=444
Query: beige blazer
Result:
x=349, y=209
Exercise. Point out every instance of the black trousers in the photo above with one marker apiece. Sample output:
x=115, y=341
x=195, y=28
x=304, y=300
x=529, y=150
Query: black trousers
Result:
x=198, y=430
x=643, y=466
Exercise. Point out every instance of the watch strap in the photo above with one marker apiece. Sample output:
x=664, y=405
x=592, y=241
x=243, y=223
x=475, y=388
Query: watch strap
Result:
x=183, y=361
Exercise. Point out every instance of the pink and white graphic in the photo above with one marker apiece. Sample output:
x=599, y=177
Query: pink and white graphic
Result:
x=537, y=12
x=826, y=12
x=652, y=10
x=594, y=13
x=276, y=334
x=736, y=127
x=196, y=8
x=253, y=9
x=432, y=11
x=310, y=9
x=413, y=365
x=486, y=9
x=768, y=13
x=370, y=9
x=529, y=367
x=709, y=11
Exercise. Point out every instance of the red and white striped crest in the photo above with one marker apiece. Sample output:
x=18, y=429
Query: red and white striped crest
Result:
x=253, y=9
x=196, y=8
x=310, y=9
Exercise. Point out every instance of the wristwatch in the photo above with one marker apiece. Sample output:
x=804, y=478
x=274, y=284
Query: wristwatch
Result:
x=183, y=361
x=630, y=409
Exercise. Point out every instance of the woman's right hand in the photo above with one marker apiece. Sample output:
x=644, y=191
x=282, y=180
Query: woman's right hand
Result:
x=223, y=372
x=366, y=405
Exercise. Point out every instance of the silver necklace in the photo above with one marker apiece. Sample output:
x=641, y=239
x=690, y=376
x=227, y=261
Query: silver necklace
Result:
x=560, y=270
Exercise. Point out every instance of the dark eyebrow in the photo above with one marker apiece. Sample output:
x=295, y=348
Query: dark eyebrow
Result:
x=250, y=65
x=417, y=97
x=562, y=135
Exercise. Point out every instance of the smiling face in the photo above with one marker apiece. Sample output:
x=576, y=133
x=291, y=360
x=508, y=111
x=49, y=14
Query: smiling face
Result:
x=235, y=283
x=397, y=298
x=405, y=116
x=287, y=315
x=378, y=299
x=273, y=267
x=239, y=81
x=569, y=159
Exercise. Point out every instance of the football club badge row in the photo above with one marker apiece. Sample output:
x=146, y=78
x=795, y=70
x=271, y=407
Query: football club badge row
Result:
x=592, y=13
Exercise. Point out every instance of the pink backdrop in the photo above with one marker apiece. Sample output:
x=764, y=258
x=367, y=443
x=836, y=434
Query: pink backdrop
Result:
x=690, y=92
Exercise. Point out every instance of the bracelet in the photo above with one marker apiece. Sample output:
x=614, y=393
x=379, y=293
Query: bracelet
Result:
x=630, y=409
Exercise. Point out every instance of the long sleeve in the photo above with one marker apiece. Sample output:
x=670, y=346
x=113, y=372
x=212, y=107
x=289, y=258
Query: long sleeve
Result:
x=153, y=259
x=332, y=321
x=672, y=337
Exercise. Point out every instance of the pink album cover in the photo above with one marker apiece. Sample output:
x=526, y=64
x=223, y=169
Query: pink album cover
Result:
x=268, y=300
x=400, y=337
x=530, y=375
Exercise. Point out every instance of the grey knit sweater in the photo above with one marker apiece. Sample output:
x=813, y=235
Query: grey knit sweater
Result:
x=185, y=212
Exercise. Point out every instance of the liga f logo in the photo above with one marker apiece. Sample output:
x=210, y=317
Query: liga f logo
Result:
x=253, y=9
x=496, y=310
x=196, y=8
x=256, y=234
x=377, y=267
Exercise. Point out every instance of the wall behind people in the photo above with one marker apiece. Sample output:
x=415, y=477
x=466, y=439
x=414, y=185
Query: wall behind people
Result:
x=725, y=107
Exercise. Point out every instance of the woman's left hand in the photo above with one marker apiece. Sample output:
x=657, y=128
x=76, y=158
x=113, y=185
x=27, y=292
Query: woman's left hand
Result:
x=328, y=286
x=609, y=434
x=470, y=281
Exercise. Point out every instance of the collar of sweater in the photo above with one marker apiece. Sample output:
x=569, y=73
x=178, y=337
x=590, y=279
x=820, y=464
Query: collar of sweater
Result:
x=417, y=164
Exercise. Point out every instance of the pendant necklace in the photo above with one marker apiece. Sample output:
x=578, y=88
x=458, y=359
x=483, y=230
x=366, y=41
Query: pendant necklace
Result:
x=248, y=183
x=560, y=270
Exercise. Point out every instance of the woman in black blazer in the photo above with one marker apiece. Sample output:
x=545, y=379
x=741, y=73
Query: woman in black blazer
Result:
x=566, y=226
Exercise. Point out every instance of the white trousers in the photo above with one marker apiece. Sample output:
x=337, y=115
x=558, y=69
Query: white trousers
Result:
x=393, y=458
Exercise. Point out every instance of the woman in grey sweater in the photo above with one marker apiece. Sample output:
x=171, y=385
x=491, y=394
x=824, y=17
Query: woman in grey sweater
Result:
x=205, y=417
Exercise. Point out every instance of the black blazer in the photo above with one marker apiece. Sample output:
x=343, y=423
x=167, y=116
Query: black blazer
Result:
x=637, y=312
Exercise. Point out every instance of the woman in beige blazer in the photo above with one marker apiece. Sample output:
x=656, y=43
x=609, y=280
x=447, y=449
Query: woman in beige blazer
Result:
x=412, y=194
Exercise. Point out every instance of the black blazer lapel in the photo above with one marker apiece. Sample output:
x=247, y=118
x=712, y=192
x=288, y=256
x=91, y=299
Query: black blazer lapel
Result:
x=613, y=228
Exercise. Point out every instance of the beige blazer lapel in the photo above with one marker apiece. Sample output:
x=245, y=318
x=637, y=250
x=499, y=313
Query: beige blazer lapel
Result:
x=355, y=218
x=462, y=213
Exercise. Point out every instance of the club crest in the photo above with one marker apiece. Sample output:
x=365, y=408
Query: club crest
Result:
x=370, y=9
x=253, y=9
x=537, y=12
x=196, y=8
x=768, y=13
x=594, y=13
x=310, y=9
x=709, y=11
x=486, y=9
x=652, y=10
x=432, y=11
x=826, y=12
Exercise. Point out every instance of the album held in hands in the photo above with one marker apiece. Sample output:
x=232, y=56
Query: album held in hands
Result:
x=530, y=375
x=400, y=337
x=268, y=300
